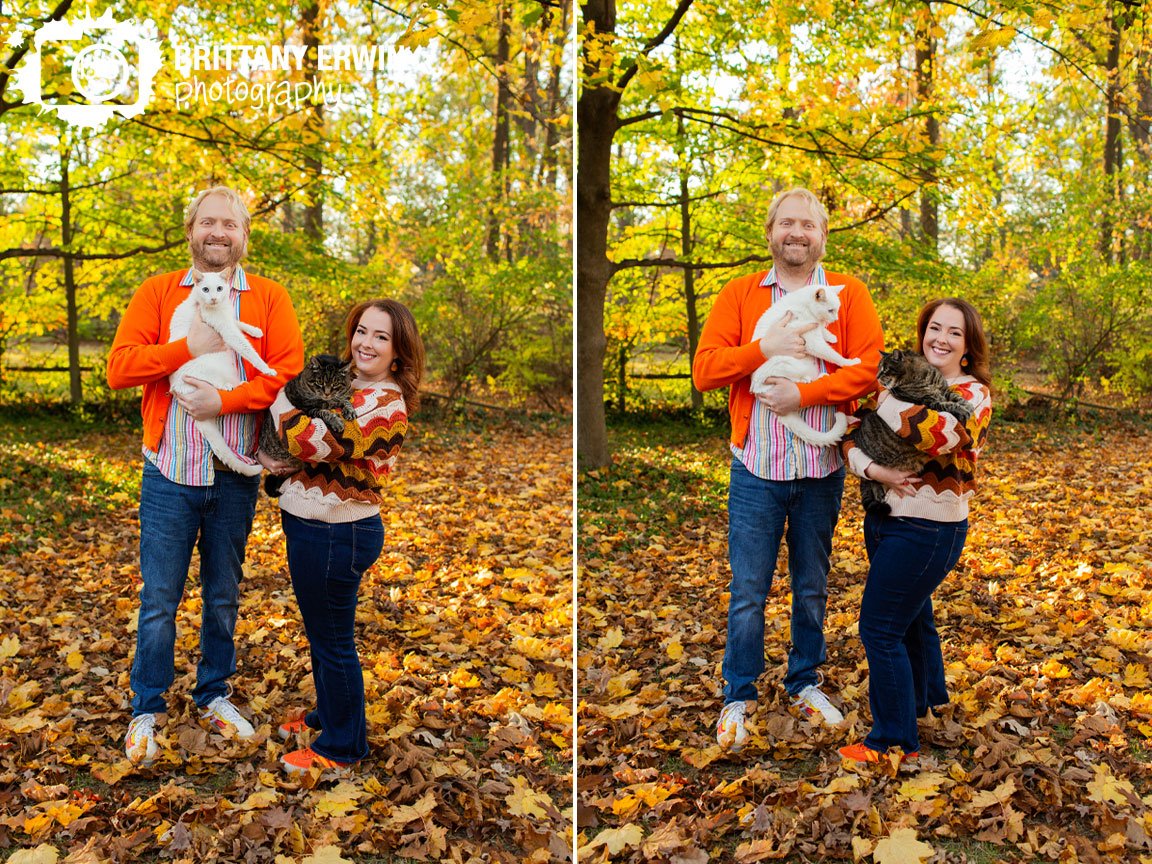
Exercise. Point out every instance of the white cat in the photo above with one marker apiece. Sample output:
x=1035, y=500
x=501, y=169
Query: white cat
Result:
x=211, y=295
x=812, y=303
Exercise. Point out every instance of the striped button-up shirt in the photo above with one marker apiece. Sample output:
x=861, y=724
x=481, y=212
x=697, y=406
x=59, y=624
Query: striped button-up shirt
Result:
x=773, y=452
x=184, y=456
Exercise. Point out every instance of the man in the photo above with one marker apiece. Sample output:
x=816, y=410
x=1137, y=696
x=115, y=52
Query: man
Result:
x=780, y=486
x=186, y=493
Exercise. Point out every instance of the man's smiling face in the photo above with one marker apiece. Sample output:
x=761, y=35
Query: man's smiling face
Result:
x=217, y=238
x=796, y=239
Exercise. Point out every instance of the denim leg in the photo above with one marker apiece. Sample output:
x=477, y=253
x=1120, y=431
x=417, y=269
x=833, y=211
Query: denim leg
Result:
x=909, y=560
x=812, y=516
x=756, y=512
x=923, y=645
x=169, y=522
x=326, y=562
x=226, y=523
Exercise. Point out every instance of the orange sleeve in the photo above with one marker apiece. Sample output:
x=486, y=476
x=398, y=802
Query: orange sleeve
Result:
x=859, y=334
x=137, y=356
x=722, y=356
x=282, y=348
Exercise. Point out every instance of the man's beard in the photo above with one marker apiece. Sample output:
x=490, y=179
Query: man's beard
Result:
x=216, y=259
x=811, y=254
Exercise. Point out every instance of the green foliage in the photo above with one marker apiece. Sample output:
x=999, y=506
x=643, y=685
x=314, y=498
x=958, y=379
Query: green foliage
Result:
x=1048, y=241
x=381, y=194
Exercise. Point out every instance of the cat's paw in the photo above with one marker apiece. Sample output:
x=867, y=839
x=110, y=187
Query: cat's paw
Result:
x=851, y=361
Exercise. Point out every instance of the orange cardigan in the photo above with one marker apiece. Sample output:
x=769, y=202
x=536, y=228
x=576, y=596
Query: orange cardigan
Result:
x=727, y=355
x=142, y=355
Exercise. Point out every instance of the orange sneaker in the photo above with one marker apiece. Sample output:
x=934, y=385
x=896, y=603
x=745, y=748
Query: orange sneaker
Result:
x=303, y=761
x=860, y=753
x=293, y=726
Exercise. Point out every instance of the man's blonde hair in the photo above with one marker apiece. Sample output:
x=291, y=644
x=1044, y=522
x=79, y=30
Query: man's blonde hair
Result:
x=227, y=193
x=814, y=205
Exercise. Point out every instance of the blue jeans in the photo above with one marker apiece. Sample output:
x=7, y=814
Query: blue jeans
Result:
x=326, y=560
x=909, y=559
x=760, y=513
x=174, y=518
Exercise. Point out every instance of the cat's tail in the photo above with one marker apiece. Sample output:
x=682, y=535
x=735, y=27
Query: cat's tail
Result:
x=272, y=484
x=872, y=498
x=211, y=433
x=816, y=437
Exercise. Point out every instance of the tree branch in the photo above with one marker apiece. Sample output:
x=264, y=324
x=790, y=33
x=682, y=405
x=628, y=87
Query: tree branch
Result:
x=655, y=42
x=18, y=54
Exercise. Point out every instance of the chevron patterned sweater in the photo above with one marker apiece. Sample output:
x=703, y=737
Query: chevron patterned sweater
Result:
x=340, y=480
x=948, y=479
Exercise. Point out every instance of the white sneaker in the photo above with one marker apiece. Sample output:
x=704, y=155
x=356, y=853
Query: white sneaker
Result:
x=140, y=742
x=224, y=717
x=812, y=701
x=730, y=730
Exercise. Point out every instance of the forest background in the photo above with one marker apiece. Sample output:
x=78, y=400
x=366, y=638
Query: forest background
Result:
x=442, y=177
x=997, y=151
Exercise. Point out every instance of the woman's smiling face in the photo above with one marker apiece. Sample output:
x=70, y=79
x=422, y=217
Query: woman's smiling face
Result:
x=944, y=344
x=372, y=348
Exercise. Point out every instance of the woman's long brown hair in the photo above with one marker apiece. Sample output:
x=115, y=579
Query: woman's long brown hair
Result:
x=407, y=346
x=975, y=342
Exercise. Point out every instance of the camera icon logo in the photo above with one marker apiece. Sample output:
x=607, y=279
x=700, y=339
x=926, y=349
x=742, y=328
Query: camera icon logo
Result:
x=91, y=70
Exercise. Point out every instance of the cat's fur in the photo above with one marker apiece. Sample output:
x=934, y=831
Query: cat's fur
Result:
x=321, y=390
x=910, y=378
x=211, y=295
x=812, y=303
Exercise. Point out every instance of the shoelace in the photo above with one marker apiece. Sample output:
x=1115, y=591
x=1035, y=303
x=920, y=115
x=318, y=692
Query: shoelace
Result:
x=224, y=709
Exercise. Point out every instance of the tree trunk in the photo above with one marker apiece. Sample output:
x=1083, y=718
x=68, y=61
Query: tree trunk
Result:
x=1139, y=127
x=597, y=125
x=622, y=378
x=552, y=128
x=76, y=391
x=499, y=139
x=929, y=175
x=1112, y=146
x=686, y=255
x=313, y=125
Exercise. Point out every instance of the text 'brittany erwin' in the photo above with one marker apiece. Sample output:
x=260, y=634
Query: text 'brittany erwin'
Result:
x=190, y=57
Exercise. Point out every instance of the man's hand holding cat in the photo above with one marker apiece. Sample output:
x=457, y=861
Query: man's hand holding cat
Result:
x=780, y=395
x=784, y=341
x=203, y=402
x=202, y=339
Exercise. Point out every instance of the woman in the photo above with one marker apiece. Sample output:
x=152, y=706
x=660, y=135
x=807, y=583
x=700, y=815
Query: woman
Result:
x=914, y=547
x=330, y=511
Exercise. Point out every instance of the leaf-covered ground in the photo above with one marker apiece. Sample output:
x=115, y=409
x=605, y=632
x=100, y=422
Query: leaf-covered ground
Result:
x=1043, y=756
x=464, y=632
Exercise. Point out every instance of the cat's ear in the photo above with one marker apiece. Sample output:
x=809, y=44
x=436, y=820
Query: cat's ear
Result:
x=820, y=294
x=835, y=289
x=885, y=354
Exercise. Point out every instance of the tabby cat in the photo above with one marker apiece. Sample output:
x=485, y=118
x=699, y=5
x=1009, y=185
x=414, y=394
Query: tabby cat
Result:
x=323, y=388
x=910, y=378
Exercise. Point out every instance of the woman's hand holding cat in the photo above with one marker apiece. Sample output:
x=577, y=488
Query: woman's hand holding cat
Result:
x=784, y=341
x=202, y=402
x=276, y=466
x=901, y=482
x=202, y=339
